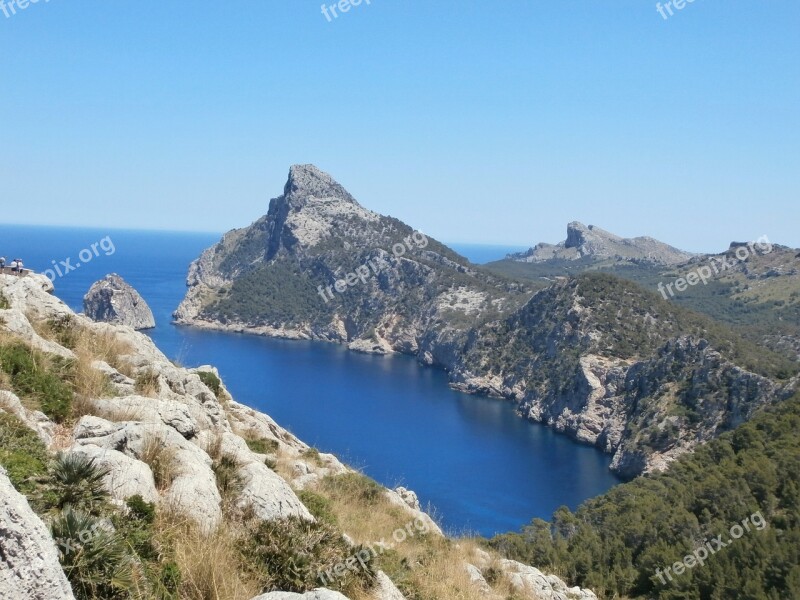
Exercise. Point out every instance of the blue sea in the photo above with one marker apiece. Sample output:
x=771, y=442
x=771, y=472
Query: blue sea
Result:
x=478, y=466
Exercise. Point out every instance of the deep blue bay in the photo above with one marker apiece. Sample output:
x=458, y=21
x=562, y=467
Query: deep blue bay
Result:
x=480, y=467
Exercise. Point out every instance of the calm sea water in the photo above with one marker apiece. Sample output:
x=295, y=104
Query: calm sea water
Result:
x=480, y=467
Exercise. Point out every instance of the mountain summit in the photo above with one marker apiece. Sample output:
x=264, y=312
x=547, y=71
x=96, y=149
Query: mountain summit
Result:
x=319, y=265
x=594, y=243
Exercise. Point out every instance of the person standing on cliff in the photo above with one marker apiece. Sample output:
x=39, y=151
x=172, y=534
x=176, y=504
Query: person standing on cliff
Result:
x=2, y=263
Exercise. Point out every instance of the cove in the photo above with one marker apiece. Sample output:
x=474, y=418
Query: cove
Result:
x=480, y=467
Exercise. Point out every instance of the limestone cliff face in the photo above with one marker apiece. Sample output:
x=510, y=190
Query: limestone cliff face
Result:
x=113, y=300
x=611, y=366
x=319, y=265
x=591, y=242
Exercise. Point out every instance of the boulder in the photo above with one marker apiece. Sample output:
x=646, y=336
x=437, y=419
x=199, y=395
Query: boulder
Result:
x=29, y=566
x=193, y=491
x=112, y=300
x=127, y=476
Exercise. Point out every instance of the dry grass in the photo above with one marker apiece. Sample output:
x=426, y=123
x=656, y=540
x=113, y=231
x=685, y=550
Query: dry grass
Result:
x=117, y=412
x=209, y=563
x=106, y=346
x=161, y=459
x=422, y=566
x=88, y=345
x=147, y=383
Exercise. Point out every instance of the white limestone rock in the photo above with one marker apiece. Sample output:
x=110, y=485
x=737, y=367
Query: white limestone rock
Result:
x=127, y=476
x=193, y=492
x=34, y=419
x=29, y=566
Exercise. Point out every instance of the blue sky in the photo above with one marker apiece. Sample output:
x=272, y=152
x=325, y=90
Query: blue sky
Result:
x=487, y=122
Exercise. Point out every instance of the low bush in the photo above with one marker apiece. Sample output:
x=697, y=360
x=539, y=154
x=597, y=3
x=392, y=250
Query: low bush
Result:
x=229, y=481
x=358, y=487
x=263, y=445
x=211, y=381
x=318, y=505
x=291, y=554
x=22, y=453
x=38, y=379
x=95, y=559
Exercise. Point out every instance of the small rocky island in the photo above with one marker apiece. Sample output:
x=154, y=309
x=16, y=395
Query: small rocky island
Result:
x=113, y=300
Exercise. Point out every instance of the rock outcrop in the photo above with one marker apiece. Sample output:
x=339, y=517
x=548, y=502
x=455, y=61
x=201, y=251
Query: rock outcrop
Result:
x=113, y=300
x=29, y=566
x=591, y=242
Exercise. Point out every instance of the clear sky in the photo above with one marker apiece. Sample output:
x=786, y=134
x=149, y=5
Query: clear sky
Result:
x=486, y=122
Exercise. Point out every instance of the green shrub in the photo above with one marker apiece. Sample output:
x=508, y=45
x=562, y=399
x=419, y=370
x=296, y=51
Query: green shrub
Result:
x=78, y=482
x=95, y=559
x=318, y=505
x=22, y=453
x=312, y=455
x=212, y=381
x=263, y=445
x=291, y=554
x=141, y=510
x=38, y=378
x=4, y=303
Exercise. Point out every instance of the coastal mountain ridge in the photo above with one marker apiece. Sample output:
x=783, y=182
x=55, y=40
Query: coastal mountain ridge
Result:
x=602, y=359
x=597, y=244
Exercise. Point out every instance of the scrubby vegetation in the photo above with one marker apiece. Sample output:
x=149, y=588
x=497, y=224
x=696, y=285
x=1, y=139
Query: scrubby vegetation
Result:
x=37, y=378
x=211, y=381
x=613, y=544
x=289, y=554
x=22, y=453
x=262, y=445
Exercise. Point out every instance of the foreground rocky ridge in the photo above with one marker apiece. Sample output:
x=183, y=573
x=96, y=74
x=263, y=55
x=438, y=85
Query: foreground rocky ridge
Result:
x=152, y=407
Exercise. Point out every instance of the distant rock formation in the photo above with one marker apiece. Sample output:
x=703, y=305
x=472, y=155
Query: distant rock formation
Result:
x=595, y=243
x=113, y=300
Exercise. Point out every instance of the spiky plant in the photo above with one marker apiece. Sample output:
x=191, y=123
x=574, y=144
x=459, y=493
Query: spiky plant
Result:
x=95, y=559
x=78, y=481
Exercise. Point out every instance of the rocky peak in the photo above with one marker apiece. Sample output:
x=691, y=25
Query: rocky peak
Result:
x=307, y=182
x=594, y=243
x=579, y=235
x=113, y=300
